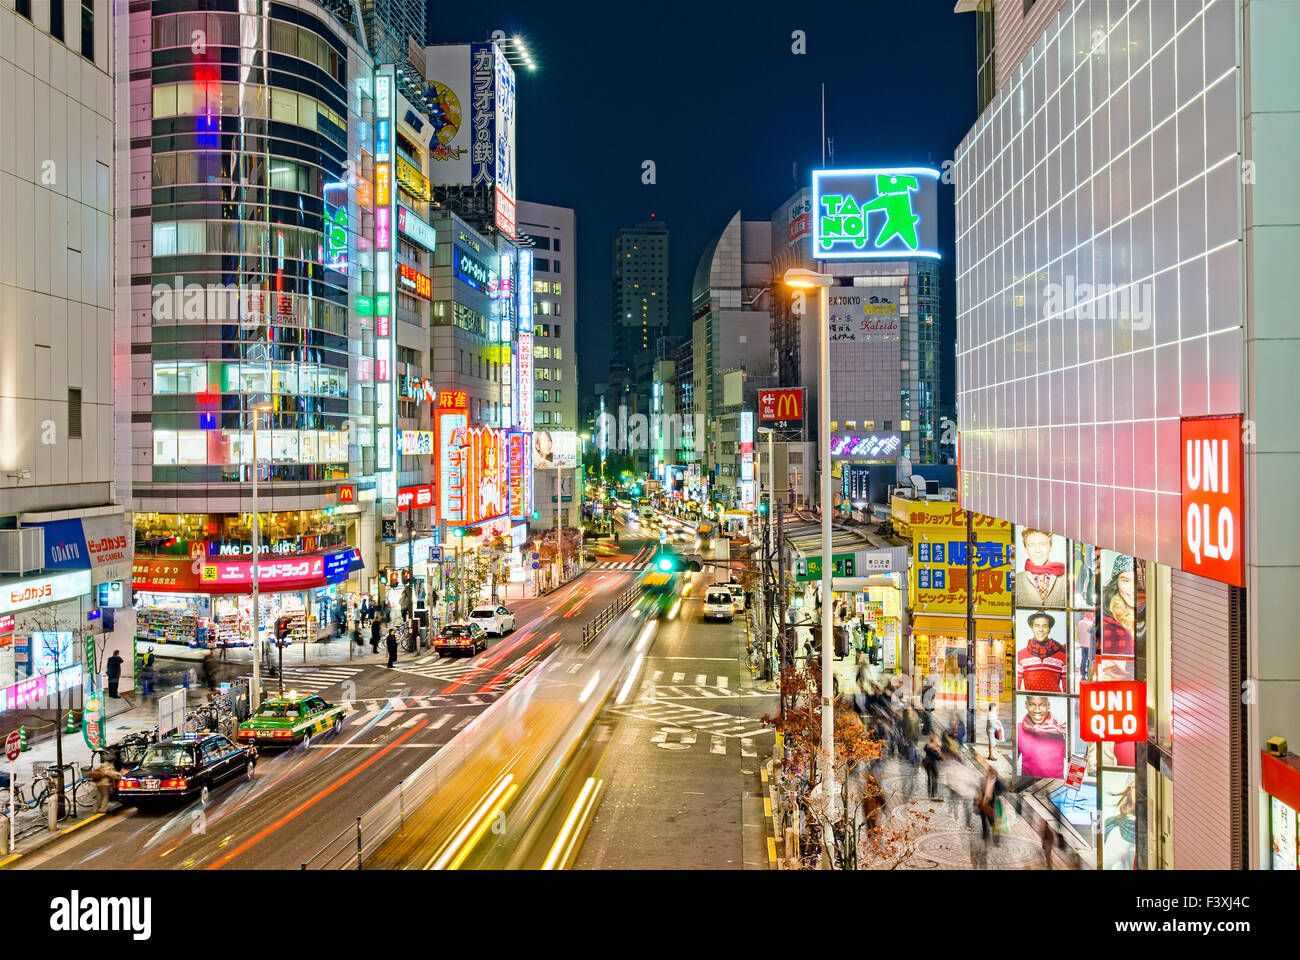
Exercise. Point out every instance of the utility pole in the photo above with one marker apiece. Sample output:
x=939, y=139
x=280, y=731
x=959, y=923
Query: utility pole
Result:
x=970, y=626
x=782, y=638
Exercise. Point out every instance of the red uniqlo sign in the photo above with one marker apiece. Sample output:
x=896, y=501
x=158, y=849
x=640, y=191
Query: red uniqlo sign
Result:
x=414, y=498
x=780, y=405
x=1113, y=710
x=1211, y=452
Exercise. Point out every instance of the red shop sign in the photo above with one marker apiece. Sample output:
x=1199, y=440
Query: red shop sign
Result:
x=1211, y=454
x=414, y=498
x=1114, y=711
x=166, y=574
x=234, y=576
x=347, y=493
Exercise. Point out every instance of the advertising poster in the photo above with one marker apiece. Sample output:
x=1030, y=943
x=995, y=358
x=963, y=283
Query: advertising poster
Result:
x=1123, y=616
x=449, y=91
x=1041, y=735
x=475, y=482
x=938, y=572
x=519, y=452
x=555, y=448
x=1118, y=822
x=1041, y=582
x=1042, y=651
x=1286, y=855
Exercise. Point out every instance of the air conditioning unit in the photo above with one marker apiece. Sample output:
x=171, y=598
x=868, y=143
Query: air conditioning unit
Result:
x=22, y=551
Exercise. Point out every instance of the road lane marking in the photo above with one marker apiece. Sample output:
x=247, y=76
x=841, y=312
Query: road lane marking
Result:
x=311, y=801
x=718, y=744
x=441, y=721
x=678, y=677
x=463, y=723
x=701, y=679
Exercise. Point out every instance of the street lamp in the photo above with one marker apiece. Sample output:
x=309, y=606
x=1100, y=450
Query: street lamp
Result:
x=255, y=697
x=582, y=499
x=804, y=279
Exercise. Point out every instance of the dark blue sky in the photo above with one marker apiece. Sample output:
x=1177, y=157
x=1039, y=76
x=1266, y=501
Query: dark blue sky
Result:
x=711, y=91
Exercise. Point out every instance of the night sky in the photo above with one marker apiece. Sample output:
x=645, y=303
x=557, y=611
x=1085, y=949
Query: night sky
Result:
x=711, y=91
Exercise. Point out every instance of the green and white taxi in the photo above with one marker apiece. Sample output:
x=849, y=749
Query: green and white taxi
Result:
x=284, y=721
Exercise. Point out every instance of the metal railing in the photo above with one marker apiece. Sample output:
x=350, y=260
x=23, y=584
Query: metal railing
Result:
x=603, y=619
x=351, y=847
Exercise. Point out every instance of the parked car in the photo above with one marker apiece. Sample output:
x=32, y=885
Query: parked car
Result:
x=180, y=768
x=496, y=620
x=737, y=594
x=461, y=637
x=718, y=604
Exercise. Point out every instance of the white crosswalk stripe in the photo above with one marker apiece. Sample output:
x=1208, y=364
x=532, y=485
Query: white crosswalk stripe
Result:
x=710, y=721
x=620, y=565
x=307, y=679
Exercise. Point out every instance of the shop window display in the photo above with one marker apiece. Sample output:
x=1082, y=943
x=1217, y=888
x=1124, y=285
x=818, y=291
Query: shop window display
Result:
x=1119, y=822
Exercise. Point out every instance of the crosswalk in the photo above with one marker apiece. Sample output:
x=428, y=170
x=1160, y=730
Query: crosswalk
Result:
x=693, y=718
x=620, y=565
x=680, y=685
x=308, y=679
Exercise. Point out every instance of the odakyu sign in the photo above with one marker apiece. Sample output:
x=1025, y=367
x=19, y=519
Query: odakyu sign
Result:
x=875, y=213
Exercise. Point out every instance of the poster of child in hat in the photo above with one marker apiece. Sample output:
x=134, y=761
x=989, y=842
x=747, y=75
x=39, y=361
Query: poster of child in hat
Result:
x=1123, y=616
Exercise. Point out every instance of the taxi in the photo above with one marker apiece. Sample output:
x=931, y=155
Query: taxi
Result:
x=284, y=721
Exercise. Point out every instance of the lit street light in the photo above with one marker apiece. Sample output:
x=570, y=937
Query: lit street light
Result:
x=801, y=278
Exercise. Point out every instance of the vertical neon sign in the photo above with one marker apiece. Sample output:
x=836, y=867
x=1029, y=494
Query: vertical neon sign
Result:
x=385, y=347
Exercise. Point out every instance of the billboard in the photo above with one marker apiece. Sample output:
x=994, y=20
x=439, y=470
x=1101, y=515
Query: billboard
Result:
x=472, y=89
x=411, y=225
x=938, y=575
x=780, y=406
x=878, y=213
x=414, y=498
x=474, y=483
x=557, y=448
x=519, y=453
x=450, y=415
x=860, y=317
x=524, y=379
x=1213, y=522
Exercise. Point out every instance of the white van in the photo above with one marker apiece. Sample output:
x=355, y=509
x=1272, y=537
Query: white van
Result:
x=718, y=604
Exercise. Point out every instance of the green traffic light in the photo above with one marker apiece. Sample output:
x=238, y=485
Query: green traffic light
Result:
x=665, y=564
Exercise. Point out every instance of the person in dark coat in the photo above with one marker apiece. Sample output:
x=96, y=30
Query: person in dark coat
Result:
x=374, y=635
x=356, y=632
x=113, y=671
x=392, y=648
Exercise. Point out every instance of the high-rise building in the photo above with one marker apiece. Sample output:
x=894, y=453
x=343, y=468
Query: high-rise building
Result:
x=640, y=294
x=1125, y=371
x=552, y=231
x=63, y=537
x=394, y=32
x=255, y=307
x=730, y=333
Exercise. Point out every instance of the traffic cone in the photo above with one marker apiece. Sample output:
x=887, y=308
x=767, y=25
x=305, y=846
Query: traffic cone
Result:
x=22, y=739
x=71, y=726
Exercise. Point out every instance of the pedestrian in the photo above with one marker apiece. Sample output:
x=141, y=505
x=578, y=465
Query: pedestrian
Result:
x=146, y=676
x=1047, y=837
x=993, y=731
x=957, y=729
x=392, y=648
x=104, y=777
x=933, y=754
x=113, y=671
x=210, y=671
x=911, y=732
x=988, y=802
x=356, y=633
x=374, y=635
x=148, y=658
x=928, y=694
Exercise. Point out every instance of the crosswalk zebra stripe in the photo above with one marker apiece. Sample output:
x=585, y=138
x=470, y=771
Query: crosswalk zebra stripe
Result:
x=441, y=721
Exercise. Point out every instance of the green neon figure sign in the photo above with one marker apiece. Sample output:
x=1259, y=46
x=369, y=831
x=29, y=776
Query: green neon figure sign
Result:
x=863, y=214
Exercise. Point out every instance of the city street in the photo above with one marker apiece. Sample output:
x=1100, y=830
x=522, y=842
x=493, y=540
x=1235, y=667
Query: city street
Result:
x=304, y=796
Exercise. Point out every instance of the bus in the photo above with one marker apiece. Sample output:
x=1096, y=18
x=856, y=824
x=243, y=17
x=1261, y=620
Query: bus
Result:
x=660, y=593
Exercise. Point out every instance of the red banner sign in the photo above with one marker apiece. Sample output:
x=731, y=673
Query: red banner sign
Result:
x=776, y=405
x=413, y=281
x=414, y=498
x=232, y=576
x=166, y=574
x=519, y=450
x=347, y=493
x=474, y=474
x=1114, y=711
x=1211, y=452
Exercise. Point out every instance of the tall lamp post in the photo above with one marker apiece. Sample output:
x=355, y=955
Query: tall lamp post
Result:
x=804, y=279
x=255, y=697
x=580, y=480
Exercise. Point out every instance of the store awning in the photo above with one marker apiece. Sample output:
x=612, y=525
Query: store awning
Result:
x=213, y=576
x=956, y=626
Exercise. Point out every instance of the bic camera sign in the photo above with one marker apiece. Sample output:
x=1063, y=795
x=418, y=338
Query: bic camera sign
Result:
x=875, y=214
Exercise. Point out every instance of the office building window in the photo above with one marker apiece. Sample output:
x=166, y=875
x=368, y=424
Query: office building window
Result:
x=557, y=330
x=56, y=19
x=88, y=30
x=541, y=264
x=74, y=395
x=24, y=8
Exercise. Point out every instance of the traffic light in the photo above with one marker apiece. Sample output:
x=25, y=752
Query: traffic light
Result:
x=665, y=564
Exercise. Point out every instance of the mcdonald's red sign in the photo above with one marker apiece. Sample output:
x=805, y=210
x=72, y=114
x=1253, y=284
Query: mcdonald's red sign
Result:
x=774, y=405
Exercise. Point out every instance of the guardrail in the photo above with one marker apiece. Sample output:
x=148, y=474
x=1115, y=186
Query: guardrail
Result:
x=603, y=619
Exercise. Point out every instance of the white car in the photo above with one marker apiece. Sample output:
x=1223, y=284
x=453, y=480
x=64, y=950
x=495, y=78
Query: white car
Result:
x=737, y=594
x=496, y=620
x=718, y=604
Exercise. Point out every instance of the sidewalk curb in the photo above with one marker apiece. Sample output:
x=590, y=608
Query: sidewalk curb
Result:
x=769, y=811
x=50, y=839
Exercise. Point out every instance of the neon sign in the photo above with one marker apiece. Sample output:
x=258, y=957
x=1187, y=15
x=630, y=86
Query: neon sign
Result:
x=413, y=281
x=336, y=227
x=875, y=214
x=873, y=445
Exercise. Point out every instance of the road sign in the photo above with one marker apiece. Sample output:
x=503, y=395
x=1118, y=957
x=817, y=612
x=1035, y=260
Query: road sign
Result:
x=536, y=555
x=12, y=746
x=537, y=564
x=435, y=555
x=842, y=565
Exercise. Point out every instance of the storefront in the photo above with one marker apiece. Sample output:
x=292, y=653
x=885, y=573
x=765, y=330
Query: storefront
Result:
x=43, y=648
x=1281, y=782
x=284, y=534
x=209, y=603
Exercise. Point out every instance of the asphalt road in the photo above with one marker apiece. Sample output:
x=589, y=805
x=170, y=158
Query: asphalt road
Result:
x=303, y=797
x=678, y=762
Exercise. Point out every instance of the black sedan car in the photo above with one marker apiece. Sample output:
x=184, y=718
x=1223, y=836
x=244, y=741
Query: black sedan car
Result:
x=184, y=767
